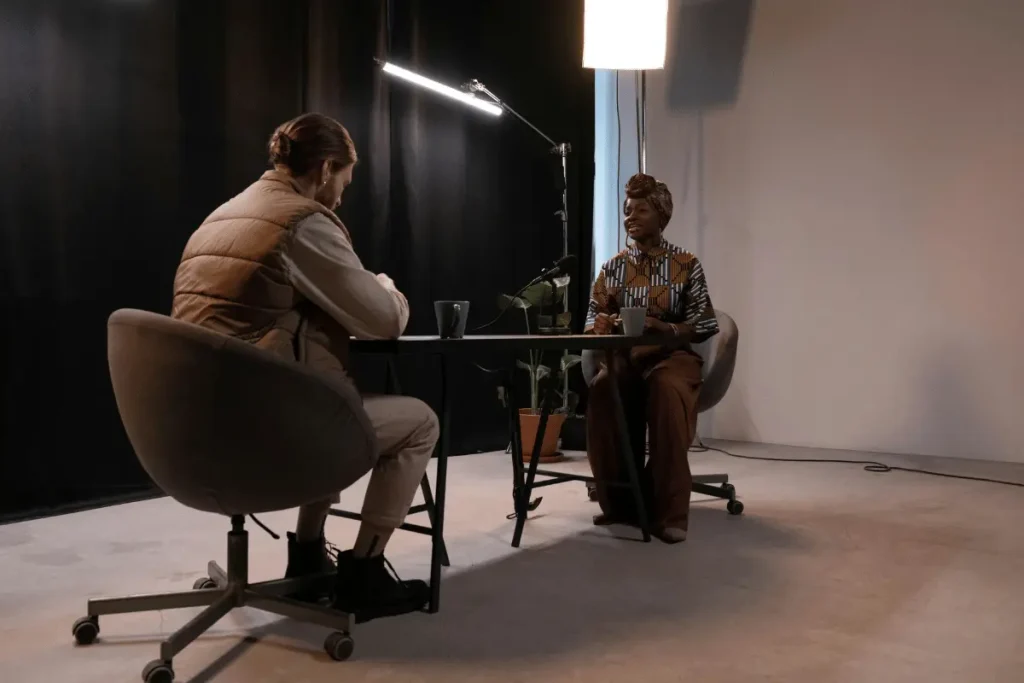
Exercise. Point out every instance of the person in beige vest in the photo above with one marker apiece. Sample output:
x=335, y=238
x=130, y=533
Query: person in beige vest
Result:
x=276, y=267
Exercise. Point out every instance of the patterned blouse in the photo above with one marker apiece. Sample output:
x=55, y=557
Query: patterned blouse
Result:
x=668, y=280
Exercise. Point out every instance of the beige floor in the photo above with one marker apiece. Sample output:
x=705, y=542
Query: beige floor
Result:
x=833, y=575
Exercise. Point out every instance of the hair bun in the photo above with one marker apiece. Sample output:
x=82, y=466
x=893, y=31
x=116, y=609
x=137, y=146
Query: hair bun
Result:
x=308, y=141
x=280, y=148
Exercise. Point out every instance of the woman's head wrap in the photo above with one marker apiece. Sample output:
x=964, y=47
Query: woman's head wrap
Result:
x=643, y=186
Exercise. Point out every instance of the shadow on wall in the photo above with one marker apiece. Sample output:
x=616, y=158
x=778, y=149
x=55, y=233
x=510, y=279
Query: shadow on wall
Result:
x=731, y=421
x=946, y=416
x=704, y=62
x=707, y=44
x=725, y=247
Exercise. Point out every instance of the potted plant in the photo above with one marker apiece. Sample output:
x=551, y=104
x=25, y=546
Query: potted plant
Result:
x=532, y=299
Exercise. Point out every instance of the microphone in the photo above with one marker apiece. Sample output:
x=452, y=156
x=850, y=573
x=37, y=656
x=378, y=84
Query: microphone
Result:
x=560, y=267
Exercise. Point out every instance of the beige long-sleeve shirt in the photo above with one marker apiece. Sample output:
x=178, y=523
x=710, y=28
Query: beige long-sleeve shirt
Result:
x=324, y=267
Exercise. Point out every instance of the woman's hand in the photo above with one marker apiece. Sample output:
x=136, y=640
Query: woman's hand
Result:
x=656, y=326
x=605, y=323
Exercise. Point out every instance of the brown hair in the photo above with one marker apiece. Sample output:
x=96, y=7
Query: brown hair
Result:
x=309, y=140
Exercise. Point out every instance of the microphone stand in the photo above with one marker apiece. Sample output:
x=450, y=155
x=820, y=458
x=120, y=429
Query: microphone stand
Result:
x=562, y=149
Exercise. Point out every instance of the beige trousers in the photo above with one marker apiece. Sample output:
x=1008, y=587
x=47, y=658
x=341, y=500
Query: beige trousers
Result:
x=407, y=431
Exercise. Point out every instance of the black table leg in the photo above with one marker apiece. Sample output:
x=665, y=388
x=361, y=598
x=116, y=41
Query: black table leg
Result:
x=393, y=387
x=428, y=500
x=515, y=445
x=521, y=503
x=437, y=551
x=515, y=449
x=626, y=449
x=527, y=487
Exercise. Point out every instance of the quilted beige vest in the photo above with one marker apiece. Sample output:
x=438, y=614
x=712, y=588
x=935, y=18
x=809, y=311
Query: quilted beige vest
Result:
x=232, y=277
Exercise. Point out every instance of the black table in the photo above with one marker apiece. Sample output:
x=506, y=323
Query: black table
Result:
x=524, y=479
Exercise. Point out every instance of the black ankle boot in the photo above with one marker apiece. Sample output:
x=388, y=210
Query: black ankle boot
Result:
x=368, y=588
x=309, y=558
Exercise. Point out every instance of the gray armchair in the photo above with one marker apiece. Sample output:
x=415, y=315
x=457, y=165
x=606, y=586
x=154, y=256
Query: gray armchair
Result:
x=719, y=354
x=226, y=428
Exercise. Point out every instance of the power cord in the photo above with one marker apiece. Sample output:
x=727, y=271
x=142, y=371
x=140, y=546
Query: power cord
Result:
x=497, y=317
x=869, y=465
x=263, y=526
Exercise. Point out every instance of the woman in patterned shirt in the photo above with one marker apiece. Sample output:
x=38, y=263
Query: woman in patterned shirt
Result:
x=659, y=385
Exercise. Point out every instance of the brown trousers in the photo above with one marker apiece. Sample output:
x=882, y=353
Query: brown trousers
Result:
x=659, y=393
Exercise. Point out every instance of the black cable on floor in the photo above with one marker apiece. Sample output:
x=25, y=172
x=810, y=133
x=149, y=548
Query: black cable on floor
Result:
x=869, y=465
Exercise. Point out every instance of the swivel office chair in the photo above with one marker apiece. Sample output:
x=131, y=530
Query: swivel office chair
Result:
x=226, y=428
x=719, y=354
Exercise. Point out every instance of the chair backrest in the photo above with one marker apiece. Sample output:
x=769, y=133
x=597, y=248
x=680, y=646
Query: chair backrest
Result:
x=225, y=427
x=719, y=354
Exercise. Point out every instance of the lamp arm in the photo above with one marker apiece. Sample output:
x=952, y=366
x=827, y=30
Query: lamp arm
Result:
x=562, y=150
x=477, y=86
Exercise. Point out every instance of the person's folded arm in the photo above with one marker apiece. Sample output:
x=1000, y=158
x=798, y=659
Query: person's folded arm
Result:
x=326, y=270
x=598, y=302
x=699, y=321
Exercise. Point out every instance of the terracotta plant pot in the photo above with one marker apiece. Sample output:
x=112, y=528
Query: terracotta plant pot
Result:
x=529, y=421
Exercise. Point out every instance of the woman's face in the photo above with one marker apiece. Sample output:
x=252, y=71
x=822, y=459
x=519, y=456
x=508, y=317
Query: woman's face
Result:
x=333, y=184
x=642, y=222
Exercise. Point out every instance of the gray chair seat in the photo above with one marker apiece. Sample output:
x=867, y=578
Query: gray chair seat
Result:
x=224, y=427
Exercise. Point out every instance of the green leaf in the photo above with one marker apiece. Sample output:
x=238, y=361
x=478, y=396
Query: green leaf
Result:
x=541, y=293
x=563, y=319
x=536, y=372
x=563, y=281
x=570, y=361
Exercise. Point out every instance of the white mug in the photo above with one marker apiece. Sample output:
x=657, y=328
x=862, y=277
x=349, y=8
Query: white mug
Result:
x=632, y=319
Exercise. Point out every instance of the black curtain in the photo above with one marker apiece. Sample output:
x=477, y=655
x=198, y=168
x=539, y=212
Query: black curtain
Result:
x=126, y=123
x=453, y=203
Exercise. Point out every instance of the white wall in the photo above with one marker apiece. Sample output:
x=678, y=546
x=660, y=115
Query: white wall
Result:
x=864, y=224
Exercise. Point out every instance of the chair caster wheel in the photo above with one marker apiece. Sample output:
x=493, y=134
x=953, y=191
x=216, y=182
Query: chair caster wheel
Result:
x=339, y=646
x=85, y=630
x=734, y=507
x=158, y=671
x=203, y=583
x=729, y=489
